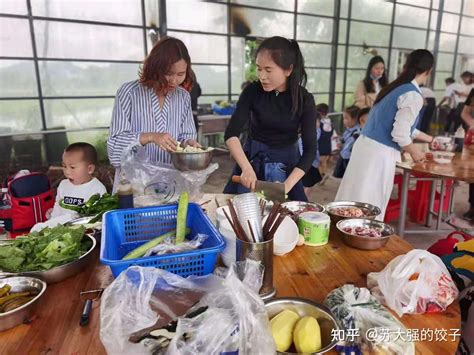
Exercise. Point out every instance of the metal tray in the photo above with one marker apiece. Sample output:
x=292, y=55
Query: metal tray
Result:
x=373, y=211
x=361, y=242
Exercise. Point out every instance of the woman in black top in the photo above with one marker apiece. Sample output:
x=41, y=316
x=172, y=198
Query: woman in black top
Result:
x=279, y=108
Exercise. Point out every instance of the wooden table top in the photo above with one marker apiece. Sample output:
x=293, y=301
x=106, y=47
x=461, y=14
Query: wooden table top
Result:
x=308, y=272
x=460, y=169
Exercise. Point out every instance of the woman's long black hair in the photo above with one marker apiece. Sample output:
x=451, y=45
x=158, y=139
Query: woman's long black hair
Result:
x=418, y=62
x=368, y=81
x=286, y=53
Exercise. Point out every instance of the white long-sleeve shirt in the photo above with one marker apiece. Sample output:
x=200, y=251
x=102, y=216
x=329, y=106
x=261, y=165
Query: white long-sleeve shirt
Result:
x=409, y=106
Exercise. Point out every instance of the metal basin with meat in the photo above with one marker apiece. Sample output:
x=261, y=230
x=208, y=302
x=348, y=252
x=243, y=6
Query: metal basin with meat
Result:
x=365, y=234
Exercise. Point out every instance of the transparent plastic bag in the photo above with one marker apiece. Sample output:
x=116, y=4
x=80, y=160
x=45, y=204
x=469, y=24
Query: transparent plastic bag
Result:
x=168, y=246
x=356, y=309
x=145, y=299
x=416, y=282
x=155, y=183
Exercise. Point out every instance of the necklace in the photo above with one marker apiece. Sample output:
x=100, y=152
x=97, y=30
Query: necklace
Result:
x=277, y=92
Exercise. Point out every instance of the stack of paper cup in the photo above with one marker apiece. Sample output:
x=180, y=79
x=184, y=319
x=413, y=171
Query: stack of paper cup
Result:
x=248, y=212
x=228, y=255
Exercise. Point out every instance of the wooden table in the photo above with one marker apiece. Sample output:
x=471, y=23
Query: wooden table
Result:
x=460, y=169
x=308, y=272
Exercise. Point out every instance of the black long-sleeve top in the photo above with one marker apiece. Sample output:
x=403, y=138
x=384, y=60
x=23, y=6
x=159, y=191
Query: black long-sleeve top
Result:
x=272, y=121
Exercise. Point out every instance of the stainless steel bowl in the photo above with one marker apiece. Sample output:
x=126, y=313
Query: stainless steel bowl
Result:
x=191, y=161
x=21, y=314
x=365, y=243
x=304, y=307
x=370, y=211
x=60, y=273
x=296, y=207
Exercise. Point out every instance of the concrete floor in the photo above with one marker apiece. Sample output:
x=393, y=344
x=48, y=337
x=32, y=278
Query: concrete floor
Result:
x=327, y=192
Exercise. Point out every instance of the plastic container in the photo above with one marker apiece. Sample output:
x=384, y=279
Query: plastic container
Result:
x=125, y=230
x=228, y=255
x=314, y=227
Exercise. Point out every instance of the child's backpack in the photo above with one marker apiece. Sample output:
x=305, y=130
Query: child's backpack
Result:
x=30, y=197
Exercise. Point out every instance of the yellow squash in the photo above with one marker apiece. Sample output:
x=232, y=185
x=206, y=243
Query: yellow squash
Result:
x=307, y=335
x=282, y=326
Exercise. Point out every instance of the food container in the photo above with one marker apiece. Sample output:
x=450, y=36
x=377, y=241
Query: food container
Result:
x=298, y=207
x=444, y=143
x=443, y=157
x=303, y=307
x=365, y=243
x=314, y=227
x=370, y=211
x=286, y=237
x=191, y=161
x=62, y=272
x=23, y=313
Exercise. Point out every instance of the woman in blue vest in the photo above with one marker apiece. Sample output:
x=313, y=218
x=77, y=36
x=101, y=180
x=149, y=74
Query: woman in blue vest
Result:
x=389, y=130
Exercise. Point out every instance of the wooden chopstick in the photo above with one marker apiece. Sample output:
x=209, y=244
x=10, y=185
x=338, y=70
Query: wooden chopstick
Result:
x=251, y=232
x=233, y=226
x=275, y=227
x=233, y=213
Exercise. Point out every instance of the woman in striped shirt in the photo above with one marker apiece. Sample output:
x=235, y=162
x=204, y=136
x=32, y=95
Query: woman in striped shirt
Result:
x=155, y=111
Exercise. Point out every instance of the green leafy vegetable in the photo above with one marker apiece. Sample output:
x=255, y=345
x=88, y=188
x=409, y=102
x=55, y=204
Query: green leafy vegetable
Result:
x=44, y=250
x=96, y=205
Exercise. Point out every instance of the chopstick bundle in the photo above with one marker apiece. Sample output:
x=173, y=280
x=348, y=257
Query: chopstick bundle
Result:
x=234, y=227
x=274, y=219
x=240, y=230
x=262, y=204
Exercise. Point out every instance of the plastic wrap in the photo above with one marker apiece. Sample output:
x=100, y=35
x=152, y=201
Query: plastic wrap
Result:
x=416, y=282
x=155, y=183
x=142, y=300
x=356, y=309
x=168, y=246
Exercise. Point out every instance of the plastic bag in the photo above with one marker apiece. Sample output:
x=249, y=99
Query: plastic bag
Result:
x=154, y=183
x=416, y=282
x=371, y=325
x=142, y=299
x=168, y=246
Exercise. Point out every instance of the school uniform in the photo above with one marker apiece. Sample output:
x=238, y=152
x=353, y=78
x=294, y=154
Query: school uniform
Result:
x=325, y=139
x=390, y=126
x=272, y=144
x=348, y=139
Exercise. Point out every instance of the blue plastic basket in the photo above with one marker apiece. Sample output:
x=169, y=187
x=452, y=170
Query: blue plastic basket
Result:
x=127, y=229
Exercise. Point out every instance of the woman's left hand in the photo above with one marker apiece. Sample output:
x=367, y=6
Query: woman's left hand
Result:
x=192, y=143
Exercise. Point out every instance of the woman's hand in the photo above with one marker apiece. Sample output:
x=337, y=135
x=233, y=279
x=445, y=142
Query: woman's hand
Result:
x=417, y=156
x=192, y=143
x=163, y=140
x=248, y=178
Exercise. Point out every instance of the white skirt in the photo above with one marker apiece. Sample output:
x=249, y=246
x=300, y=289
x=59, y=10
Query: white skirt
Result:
x=369, y=175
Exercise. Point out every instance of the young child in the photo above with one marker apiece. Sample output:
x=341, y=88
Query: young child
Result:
x=325, y=139
x=363, y=116
x=79, y=162
x=352, y=132
x=312, y=176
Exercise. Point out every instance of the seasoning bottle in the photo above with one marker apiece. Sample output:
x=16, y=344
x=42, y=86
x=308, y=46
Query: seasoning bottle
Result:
x=125, y=194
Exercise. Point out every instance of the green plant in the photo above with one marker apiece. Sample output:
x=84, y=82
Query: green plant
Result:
x=250, y=63
x=101, y=147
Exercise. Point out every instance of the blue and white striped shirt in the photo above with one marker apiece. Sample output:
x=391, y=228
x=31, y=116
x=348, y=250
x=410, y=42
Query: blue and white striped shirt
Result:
x=137, y=110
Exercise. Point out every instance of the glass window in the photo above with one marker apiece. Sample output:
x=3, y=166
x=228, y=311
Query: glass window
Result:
x=316, y=55
x=465, y=45
x=345, y=8
x=74, y=40
x=449, y=23
x=463, y=63
x=313, y=28
x=196, y=16
x=435, y=4
x=237, y=63
x=321, y=99
x=16, y=7
x=352, y=79
x=340, y=80
x=118, y=11
x=264, y=23
x=15, y=38
x=467, y=26
x=374, y=10
x=288, y=5
x=318, y=80
x=434, y=20
x=447, y=42
x=431, y=39
x=411, y=16
x=318, y=7
x=204, y=48
x=342, y=31
x=152, y=12
x=338, y=102
x=20, y=116
x=453, y=5
x=84, y=78
x=468, y=8
x=18, y=78
x=408, y=38
x=444, y=61
x=341, y=56
x=212, y=78
x=373, y=35
x=78, y=113
x=423, y=3
x=440, y=77
x=358, y=59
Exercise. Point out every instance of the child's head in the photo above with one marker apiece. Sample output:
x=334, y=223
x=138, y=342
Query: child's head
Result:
x=349, y=116
x=362, y=116
x=322, y=109
x=466, y=77
x=79, y=162
x=449, y=81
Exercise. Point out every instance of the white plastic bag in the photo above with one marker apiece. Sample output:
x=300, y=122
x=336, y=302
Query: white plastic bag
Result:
x=155, y=183
x=416, y=282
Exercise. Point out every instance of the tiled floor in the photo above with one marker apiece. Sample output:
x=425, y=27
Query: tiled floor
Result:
x=326, y=193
